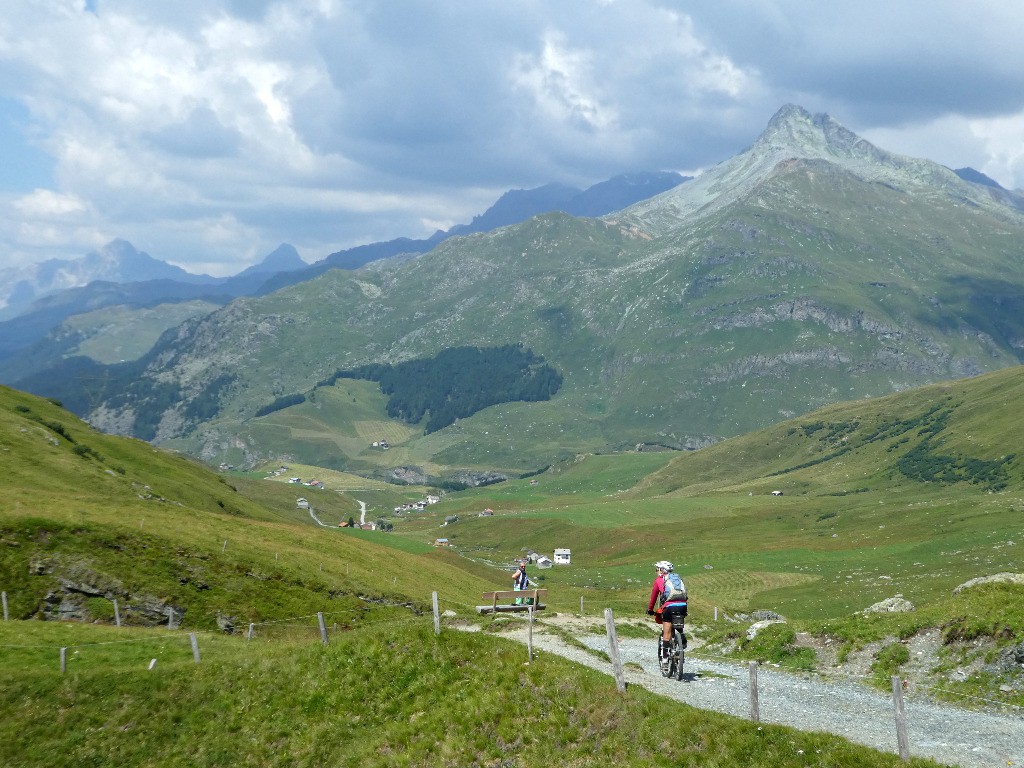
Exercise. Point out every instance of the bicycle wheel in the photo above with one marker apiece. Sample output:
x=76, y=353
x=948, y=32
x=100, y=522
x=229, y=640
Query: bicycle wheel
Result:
x=678, y=655
x=665, y=658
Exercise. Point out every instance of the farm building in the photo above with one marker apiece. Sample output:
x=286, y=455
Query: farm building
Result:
x=543, y=561
x=562, y=556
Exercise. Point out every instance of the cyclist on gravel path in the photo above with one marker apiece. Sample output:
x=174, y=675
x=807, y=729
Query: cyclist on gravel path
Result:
x=670, y=606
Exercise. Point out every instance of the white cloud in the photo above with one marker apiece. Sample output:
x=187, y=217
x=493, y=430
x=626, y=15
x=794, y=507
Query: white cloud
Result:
x=1003, y=140
x=45, y=203
x=560, y=82
x=209, y=131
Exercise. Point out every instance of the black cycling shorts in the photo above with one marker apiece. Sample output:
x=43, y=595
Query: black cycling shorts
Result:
x=674, y=614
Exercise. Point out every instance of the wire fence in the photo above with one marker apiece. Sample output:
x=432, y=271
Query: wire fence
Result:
x=176, y=646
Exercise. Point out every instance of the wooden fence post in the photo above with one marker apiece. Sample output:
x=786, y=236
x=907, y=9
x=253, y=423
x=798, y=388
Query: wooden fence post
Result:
x=170, y=617
x=755, y=704
x=529, y=636
x=225, y=547
x=195, y=646
x=437, y=615
x=901, y=719
x=613, y=650
x=716, y=613
x=63, y=660
x=5, y=605
x=581, y=605
x=323, y=628
x=117, y=613
x=251, y=628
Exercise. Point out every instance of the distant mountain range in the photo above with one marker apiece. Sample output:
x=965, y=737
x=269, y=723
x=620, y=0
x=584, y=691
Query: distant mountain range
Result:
x=813, y=267
x=117, y=262
x=35, y=301
x=120, y=275
x=513, y=207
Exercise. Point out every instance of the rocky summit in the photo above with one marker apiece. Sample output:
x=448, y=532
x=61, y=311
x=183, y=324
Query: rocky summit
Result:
x=811, y=268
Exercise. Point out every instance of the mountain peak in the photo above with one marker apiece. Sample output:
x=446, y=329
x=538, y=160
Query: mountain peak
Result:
x=793, y=133
x=284, y=258
x=794, y=129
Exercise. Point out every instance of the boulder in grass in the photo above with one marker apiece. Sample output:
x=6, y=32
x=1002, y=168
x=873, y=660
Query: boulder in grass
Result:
x=1003, y=578
x=758, y=626
x=1009, y=661
x=892, y=605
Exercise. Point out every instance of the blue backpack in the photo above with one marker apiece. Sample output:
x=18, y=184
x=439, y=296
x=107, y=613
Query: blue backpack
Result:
x=674, y=588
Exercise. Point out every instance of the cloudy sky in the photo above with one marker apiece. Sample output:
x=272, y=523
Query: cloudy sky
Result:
x=207, y=132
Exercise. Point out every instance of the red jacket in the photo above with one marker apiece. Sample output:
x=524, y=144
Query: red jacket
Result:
x=656, y=590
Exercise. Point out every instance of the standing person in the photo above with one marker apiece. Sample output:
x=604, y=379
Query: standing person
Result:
x=669, y=593
x=520, y=580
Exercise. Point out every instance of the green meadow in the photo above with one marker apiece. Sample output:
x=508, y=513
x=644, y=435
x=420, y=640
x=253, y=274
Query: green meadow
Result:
x=907, y=495
x=387, y=694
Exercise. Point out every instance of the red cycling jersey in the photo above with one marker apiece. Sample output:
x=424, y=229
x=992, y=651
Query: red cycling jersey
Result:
x=656, y=590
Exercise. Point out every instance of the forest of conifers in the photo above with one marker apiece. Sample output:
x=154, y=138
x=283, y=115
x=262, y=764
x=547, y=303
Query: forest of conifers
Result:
x=458, y=382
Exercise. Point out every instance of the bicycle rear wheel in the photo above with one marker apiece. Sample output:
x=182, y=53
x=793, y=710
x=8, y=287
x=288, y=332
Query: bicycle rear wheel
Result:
x=664, y=658
x=678, y=655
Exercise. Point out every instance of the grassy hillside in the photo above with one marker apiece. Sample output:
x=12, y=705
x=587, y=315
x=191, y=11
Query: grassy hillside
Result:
x=809, y=285
x=86, y=518
x=112, y=334
x=118, y=333
x=909, y=495
x=337, y=426
x=912, y=493
x=375, y=696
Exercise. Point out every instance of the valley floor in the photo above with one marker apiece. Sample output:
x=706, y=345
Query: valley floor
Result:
x=948, y=734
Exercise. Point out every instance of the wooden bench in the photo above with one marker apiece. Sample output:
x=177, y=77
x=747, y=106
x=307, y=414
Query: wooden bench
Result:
x=513, y=594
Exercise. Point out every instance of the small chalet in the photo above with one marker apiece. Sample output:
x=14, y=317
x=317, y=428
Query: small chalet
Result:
x=562, y=556
x=442, y=543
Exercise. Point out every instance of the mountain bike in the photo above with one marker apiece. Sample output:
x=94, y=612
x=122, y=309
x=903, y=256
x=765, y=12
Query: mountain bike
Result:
x=672, y=657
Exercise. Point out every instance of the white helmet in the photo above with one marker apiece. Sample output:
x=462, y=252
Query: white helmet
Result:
x=663, y=565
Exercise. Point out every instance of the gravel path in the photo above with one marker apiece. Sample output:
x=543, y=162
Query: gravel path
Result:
x=945, y=733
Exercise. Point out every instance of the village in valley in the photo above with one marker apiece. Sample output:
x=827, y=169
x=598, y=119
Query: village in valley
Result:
x=560, y=556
